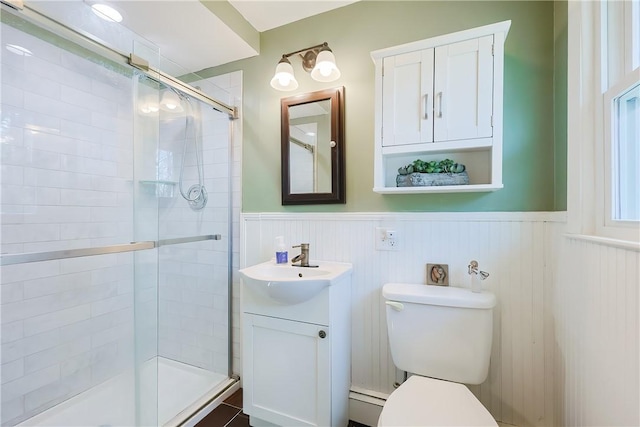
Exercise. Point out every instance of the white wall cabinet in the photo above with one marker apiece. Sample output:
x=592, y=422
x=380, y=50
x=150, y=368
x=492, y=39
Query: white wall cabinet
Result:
x=296, y=368
x=441, y=98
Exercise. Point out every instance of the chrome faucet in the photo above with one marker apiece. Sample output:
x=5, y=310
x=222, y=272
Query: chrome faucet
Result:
x=304, y=255
x=473, y=269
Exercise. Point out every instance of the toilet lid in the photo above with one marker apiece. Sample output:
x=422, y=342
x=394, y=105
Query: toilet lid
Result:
x=422, y=401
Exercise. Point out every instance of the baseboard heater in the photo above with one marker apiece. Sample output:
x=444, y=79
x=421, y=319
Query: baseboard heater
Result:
x=365, y=405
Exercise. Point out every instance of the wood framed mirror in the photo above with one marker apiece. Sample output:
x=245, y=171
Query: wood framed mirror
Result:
x=312, y=148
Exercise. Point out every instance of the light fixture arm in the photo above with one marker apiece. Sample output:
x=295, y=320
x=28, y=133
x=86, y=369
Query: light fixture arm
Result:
x=317, y=60
x=318, y=46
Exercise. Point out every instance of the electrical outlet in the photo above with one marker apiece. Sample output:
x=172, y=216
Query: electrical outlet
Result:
x=386, y=239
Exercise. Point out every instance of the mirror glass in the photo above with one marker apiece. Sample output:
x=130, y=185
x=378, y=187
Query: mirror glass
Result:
x=313, y=148
x=309, y=147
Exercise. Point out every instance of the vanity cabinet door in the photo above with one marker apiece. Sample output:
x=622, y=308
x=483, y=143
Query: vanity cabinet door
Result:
x=463, y=90
x=287, y=371
x=407, y=83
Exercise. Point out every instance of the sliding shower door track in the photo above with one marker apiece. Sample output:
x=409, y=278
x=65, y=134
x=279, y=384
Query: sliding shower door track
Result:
x=24, y=258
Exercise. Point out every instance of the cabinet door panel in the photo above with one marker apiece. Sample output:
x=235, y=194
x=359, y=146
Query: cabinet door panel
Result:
x=287, y=371
x=463, y=90
x=408, y=98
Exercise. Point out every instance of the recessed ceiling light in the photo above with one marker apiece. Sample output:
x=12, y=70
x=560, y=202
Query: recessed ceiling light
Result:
x=106, y=12
x=19, y=50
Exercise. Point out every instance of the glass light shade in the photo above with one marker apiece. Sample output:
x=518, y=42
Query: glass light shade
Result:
x=106, y=12
x=171, y=102
x=149, y=105
x=326, y=69
x=18, y=50
x=284, y=79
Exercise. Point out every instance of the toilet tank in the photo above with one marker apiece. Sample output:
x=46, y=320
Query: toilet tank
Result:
x=440, y=331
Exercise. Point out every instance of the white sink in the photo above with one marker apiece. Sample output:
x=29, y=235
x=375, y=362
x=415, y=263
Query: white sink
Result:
x=288, y=284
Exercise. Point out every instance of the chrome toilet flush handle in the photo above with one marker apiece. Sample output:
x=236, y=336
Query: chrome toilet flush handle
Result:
x=397, y=306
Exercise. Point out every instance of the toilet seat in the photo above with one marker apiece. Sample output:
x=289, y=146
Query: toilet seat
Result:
x=422, y=401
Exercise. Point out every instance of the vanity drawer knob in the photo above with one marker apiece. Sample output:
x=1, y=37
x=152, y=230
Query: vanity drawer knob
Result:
x=322, y=334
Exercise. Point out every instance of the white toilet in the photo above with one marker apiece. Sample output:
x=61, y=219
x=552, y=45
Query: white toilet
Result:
x=442, y=335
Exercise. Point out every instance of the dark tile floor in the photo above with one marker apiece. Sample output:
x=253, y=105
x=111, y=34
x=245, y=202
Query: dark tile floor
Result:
x=229, y=414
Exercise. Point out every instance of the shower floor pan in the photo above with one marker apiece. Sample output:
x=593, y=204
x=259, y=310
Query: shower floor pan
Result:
x=112, y=403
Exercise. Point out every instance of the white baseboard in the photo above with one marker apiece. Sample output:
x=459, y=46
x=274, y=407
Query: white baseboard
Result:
x=365, y=406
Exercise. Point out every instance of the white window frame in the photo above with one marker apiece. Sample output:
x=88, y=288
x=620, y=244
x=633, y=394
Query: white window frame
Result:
x=605, y=224
x=589, y=115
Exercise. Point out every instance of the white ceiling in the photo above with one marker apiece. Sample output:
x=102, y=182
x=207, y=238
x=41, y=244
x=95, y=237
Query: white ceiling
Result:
x=186, y=32
x=268, y=14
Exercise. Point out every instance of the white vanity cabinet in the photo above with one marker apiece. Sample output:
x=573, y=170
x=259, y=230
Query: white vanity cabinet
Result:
x=441, y=98
x=289, y=369
x=297, y=357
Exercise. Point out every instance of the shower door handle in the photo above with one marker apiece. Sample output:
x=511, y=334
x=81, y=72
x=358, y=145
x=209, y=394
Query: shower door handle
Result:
x=23, y=258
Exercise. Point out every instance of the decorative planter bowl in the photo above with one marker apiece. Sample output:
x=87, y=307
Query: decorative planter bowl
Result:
x=418, y=179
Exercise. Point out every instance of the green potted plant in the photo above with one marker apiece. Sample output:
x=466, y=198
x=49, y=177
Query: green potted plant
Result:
x=427, y=173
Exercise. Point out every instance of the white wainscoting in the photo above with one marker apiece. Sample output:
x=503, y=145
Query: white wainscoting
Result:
x=510, y=246
x=597, y=333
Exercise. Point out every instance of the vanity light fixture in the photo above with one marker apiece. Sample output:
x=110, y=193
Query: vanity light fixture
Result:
x=318, y=60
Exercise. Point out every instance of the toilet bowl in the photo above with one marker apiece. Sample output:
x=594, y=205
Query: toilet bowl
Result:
x=423, y=401
x=443, y=336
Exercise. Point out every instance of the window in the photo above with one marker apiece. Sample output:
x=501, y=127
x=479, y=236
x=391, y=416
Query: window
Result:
x=625, y=167
x=618, y=153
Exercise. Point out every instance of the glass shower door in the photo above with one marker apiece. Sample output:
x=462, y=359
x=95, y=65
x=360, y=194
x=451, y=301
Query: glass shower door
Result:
x=194, y=261
x=115, y=266
x=77, y=294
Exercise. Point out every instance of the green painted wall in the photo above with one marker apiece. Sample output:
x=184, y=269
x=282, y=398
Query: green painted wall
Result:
x=353, y=32
x=560, y=103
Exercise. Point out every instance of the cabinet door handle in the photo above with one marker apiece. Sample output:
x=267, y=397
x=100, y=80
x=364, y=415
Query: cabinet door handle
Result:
x=426, y=106
x=322, y=334
x=440, y=105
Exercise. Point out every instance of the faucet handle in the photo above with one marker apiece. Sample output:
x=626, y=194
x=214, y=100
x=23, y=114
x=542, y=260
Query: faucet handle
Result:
x=302, y=246
x=473, y=266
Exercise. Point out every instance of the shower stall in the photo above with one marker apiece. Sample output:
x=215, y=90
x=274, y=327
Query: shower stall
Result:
x=116, y=218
